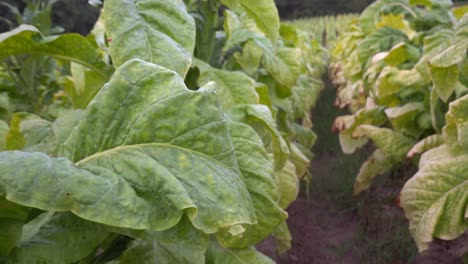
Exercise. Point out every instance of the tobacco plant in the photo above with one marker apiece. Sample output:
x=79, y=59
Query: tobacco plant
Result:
x=193, y=136
x=401, y=71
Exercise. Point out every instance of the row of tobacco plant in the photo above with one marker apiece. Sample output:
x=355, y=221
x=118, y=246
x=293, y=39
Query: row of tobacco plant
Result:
x=402, y=71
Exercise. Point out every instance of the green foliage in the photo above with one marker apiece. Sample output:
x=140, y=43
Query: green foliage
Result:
x=405, y=60
x=192, y=139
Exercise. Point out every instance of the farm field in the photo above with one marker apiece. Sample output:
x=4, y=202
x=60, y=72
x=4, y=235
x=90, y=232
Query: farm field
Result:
x=186, y=131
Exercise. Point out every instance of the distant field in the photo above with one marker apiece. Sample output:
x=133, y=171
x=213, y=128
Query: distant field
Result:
x=325, y=28
x=462, y=3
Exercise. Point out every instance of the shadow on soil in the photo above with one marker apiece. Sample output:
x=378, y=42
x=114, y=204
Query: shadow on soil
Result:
x=331, y=225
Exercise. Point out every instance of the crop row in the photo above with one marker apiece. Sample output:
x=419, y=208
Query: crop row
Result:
x=401, y=70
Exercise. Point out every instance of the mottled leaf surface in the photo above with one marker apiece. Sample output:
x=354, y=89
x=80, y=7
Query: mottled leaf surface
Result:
x=261, y=119
x=263, y=12
x=143, y=161
x=235, y=88
x=435, y=199
x=257, y=171
x=158, y=31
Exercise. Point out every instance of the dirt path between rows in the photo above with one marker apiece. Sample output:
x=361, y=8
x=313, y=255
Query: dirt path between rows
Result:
x=321, y=232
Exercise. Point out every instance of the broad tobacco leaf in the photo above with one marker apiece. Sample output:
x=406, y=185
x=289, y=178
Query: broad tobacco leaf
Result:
x=425, y=144
x=160, y=31
x=250, y=57
x=369, y=17
x=235, y=88
x=283, y=238
x=181, y=244
x=403, y=118
x=301, y=159
x=219, y=255
x=435, y=198
x=396, y=22
x=304, y=95
x=445, y=80
x=62, y=238
x=444, y=67
x=26, y=130
x=392, y=149
x=381, y=40
x=263, y=12
x=257, y=171
x=401, y=53
x=375, y=165
x=283, y=63
x=288, y=184
x=345, y=125
x=136, y=160
x=59, y=131
x=12, y=219
x=27, y=39
x=391, y=143
x=456, y=129
x=261, y=119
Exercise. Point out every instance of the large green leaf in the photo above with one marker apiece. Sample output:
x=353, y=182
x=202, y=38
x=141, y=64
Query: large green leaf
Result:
x=288, y=184
x=345, y=125
x=456, y=50
x=375, y=165
x=235, y=88
x=392, y=149
x=219, y=255
x=456, y=129
x=140, y=162
x=435, y=199
x=263, y=12
x=12, y=219
x=283, y=64
x=158, y=31
x=180, y=244
x=250, y=57
x=445, y=80
x=283, y=238
x=261, y=119
x=26, y=130
x=444, y=65
x=396, y=22
x=401, y=53
x=370, y=16
x=425, y=144
x=393, y=144
x=257, y=171
x=58, y=132
x=65, y=238
x=403, y=118
x=381, y=40
x=71, y=47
